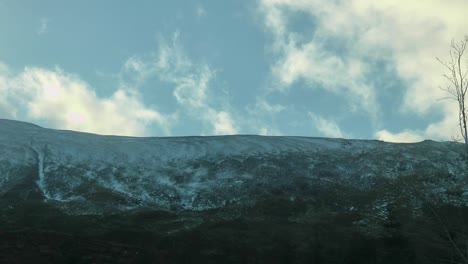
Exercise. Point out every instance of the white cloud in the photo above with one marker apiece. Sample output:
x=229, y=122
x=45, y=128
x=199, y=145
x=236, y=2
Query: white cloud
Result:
x=224, y=125
x=446, y=128
x=307, y=58
x=406, y=136
x=263, y=106
x=260, y=117
x=409, y=34
x=192, y=90
x=269, y=131
x=191, y=84
x=328, y=128
x=416, y=33
x=67, y=102
x=43, y=26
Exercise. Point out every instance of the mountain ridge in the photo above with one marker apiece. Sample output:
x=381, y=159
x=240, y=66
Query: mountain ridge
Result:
x=200, y=173
x=67, y=196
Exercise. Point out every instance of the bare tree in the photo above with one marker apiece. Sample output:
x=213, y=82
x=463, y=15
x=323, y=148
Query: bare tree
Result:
x=457, y=76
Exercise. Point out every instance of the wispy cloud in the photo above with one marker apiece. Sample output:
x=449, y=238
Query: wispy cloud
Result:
x=43, y=26
x=191, y=84
x=259, y=117
x=200, y=11
x=301, y=57
x=326, y=127
x=263, y=106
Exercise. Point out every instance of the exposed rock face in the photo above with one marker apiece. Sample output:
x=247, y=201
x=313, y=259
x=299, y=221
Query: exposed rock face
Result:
x=168, y=185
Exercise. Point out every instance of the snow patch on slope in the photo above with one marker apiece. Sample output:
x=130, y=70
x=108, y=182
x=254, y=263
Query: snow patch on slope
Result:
x=41, y=182
x=200, y=173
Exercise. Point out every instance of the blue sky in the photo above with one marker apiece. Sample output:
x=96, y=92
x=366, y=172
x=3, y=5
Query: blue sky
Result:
x=354, y=69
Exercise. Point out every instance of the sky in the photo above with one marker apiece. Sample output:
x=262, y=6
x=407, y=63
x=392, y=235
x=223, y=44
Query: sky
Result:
x=361, y=69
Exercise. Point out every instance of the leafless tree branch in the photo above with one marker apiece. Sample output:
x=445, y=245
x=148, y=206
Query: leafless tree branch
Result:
x=457, y=76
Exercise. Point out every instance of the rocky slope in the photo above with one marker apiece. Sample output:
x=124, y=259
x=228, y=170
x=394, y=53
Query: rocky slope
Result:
x=181, y=183
x=92, y=174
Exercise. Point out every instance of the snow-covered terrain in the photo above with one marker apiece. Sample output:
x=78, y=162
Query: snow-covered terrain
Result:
x=85, y=173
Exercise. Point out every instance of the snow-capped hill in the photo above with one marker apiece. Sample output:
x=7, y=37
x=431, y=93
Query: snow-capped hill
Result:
x=84, y=173
x=98, y=146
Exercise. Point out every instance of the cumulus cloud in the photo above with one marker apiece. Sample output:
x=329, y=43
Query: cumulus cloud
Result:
x=408, y=34
x=191, y=84
x=327, y=127
x=65, y=101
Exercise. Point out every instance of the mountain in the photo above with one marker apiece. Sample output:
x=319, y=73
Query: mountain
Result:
x=177, y=184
